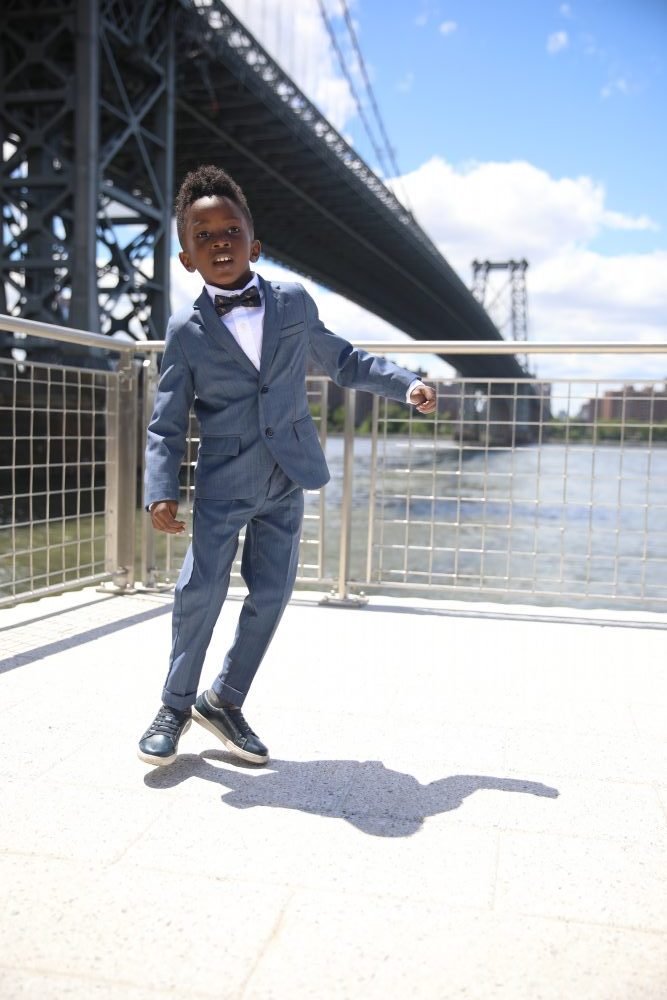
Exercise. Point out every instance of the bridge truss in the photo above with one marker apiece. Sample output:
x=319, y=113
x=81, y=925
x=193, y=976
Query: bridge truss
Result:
x=106, y=104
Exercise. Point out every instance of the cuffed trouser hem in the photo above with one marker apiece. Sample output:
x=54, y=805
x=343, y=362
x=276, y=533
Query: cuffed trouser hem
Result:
x=227, y=693
x=177, y=701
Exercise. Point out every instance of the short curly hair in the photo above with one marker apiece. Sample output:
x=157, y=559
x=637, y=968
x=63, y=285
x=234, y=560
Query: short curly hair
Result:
x=207, y=181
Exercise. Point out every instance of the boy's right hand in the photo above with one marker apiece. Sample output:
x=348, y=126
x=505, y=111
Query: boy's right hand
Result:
x=163, y=516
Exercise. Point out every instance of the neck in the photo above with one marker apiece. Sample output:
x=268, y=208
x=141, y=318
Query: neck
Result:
x=235, y=285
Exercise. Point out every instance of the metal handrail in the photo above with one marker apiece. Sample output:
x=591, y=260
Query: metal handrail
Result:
x=83, y=337
x=51, y=331
x=510, y=347
x=478, y=347
x=123, y=400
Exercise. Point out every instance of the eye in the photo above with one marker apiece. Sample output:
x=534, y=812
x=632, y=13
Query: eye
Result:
x=202, y=235
x=234, y=229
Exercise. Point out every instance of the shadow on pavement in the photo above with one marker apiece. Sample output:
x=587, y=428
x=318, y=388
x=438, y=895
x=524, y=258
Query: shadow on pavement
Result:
x=370, y=796
x=80, y=638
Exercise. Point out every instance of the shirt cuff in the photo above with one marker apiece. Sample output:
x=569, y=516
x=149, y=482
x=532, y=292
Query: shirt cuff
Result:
x=415, y=384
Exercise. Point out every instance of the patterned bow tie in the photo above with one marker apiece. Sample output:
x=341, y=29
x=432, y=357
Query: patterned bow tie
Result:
x=225, y=303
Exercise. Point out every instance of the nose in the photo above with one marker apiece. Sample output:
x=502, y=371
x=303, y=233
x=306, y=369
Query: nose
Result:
x=221, y=241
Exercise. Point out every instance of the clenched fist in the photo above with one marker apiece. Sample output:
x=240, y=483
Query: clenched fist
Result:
x=163, y=516
x=423, y=397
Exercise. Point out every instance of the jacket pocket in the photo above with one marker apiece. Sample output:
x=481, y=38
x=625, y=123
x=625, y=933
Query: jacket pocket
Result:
x=304, y=428
x=217, y=445
x=290, y=331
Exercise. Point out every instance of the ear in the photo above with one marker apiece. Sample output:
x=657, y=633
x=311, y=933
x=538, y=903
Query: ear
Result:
x=255, y=251
x=186, y=262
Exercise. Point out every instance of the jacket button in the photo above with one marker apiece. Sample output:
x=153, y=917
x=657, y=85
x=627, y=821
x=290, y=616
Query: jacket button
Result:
x=265, y=388
x=269, y=432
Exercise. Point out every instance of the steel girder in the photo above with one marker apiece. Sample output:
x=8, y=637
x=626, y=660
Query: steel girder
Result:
x=92, y=133
x=86, y=117
x=37, y=181
x=318, y=207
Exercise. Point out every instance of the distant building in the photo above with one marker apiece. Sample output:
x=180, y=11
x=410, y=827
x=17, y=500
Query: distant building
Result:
x=628, y=404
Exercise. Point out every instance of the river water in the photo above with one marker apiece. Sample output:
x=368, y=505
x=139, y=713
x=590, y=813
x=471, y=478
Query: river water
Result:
x=537, y=523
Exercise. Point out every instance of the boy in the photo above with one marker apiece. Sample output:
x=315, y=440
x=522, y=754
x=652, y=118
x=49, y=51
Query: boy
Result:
x=240, y=355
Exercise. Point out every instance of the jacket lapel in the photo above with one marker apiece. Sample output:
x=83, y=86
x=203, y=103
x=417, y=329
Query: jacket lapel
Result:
x=222, y=336
x=274, y=306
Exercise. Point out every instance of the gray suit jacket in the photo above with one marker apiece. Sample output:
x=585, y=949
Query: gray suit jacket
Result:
x=251, y=420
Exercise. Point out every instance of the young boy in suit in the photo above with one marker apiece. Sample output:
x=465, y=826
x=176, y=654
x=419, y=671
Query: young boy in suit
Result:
x=240, y=356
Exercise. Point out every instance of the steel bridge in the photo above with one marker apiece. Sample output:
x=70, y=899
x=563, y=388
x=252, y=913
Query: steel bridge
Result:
x=105, y=104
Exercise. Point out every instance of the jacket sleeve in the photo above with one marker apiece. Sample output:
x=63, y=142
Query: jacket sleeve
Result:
x=351, y=367
x=168, y=428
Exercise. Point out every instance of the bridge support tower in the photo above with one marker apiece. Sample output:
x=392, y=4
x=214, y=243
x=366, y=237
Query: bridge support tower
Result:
x=87, y=130
x=506, y=301
x=508, y=414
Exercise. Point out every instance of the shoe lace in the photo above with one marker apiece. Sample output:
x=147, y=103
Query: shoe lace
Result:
x=240, y=722
x=165, y=722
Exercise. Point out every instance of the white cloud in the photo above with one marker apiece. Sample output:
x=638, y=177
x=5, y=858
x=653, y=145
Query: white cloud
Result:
x=448, y=27
x=565, y=10
x=557, y=41
x=500, y=211
x=619, y=85
x=508, y=209
x=618, y=220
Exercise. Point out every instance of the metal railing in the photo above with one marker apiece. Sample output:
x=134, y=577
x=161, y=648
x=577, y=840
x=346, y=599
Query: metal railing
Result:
x=569, y=510
x=492, y=497
x=68, y=441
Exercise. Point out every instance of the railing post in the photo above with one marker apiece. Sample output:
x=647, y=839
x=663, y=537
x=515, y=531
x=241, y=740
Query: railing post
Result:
x=372, y=489
x=324, y=429
x=151, y=377
x=341, y=597
x=121, y=471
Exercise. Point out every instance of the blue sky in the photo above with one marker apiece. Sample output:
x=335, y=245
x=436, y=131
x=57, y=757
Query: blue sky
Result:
x=521, y=129
x=480, y=80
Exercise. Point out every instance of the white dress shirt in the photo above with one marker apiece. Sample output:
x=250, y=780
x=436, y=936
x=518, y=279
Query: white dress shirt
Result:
x=246, y=325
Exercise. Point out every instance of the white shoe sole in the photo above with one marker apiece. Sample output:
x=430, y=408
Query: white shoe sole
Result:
x=252, y=758
x=161, y=761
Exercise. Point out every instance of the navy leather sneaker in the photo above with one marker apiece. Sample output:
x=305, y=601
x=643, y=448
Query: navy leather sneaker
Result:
x=227, y=723
x=159, y=744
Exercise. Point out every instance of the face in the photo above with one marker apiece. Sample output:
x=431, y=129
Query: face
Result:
x=218, y=242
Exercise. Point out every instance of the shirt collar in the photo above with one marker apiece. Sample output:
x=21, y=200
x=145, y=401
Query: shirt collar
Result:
x=213, y=290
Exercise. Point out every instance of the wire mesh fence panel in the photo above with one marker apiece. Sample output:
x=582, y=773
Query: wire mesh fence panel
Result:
x=543, y=492
x=53, y=439
x=551, y=492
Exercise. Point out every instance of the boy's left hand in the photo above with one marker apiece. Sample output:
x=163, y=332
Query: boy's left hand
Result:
x=423, y=397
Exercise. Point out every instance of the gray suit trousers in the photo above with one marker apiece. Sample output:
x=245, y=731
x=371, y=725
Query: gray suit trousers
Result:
x=272, y=520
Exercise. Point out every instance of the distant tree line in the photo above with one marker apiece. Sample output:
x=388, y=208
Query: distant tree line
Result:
x=398, y=421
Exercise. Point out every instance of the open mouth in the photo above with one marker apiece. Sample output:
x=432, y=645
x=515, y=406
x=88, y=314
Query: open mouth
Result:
x=223, y=259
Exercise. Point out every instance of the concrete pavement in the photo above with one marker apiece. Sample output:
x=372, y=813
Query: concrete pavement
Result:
x=461, y=804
